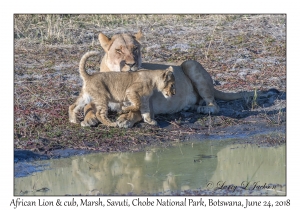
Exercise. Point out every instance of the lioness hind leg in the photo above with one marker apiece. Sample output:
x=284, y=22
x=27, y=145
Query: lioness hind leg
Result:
x=203, y=84
x=90, y=118
x=209, y=109
x=129, y=119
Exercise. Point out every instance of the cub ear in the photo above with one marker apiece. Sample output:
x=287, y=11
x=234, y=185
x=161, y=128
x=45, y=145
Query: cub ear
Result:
x=170, y=68
x=139, y=35
x=105, y=42
x=168, y=74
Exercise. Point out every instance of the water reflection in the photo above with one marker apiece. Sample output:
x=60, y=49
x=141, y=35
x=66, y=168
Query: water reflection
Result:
x=182, y=167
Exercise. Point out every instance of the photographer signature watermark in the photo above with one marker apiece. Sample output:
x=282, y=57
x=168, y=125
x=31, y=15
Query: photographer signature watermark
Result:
x=246, y=185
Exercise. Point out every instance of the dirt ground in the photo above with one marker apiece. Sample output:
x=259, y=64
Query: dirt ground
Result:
x=241, y=52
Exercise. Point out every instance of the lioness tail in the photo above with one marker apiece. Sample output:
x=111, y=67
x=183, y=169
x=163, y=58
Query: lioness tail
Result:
x=233, y=96
x=82, y=63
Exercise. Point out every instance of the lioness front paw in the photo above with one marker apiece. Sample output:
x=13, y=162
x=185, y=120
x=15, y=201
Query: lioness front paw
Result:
x=152, y=122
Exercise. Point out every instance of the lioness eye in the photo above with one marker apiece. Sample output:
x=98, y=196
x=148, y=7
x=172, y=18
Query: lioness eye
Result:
x=118, y=51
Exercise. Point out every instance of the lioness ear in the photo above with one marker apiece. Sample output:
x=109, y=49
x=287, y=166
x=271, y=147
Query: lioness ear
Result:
x=105, y=42
x=139, y=35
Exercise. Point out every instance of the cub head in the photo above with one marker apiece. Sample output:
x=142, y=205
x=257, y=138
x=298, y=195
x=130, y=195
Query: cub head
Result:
x=123, y=51
x=167, y=83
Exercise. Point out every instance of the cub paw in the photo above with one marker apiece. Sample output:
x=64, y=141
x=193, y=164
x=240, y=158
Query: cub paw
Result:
x=75, y=121
x=90, y=122
x=122, y=112
x=123, y=122
x=113, y=124
x=84, y=124
x=125, y=109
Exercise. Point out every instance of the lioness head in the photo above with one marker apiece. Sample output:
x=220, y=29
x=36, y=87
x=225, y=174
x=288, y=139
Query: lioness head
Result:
x=123, y=51
x=167, y=84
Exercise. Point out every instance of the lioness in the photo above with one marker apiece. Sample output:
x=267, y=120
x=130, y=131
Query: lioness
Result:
x=193, y=83
x=119, y=87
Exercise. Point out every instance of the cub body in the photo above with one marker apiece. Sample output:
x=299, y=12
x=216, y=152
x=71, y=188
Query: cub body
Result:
x=121, y=87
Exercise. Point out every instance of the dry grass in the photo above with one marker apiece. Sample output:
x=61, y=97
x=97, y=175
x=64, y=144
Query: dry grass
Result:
x=241, y=52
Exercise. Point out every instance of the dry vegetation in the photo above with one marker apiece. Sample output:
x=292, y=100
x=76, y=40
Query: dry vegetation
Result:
x=241, y=52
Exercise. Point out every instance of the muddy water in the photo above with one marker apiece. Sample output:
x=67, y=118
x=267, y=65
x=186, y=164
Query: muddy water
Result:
x=208, y=165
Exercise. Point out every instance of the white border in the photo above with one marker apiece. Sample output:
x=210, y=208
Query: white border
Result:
x=154, y=6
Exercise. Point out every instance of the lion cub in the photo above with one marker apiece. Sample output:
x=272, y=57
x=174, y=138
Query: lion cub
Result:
x=134, y=87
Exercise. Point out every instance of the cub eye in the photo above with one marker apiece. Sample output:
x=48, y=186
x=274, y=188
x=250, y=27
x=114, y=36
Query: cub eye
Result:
x=118, y=51
x=172, y=86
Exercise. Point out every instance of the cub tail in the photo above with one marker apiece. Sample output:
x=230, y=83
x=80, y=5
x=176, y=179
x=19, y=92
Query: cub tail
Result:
x=83, y=73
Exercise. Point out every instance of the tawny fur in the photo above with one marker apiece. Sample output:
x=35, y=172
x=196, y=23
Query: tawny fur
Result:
x=126, y=53
x=194, y=85
x=134, y=88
